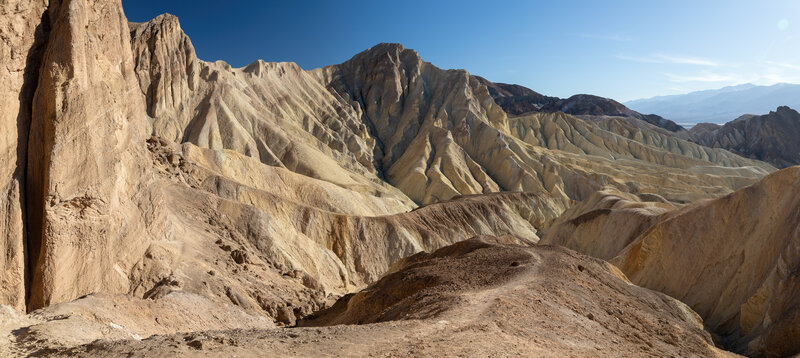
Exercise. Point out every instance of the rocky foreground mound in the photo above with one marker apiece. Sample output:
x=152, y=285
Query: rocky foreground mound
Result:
x=734, y=260
x=474, y=298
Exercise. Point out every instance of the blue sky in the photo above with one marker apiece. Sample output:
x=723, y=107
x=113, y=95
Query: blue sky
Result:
x=619, y=49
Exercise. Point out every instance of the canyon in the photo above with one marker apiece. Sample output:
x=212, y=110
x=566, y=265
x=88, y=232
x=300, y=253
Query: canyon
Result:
x=159, y=204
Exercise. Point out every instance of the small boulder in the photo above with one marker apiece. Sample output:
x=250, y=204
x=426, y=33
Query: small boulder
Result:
x=286, y=316
x=239, y=256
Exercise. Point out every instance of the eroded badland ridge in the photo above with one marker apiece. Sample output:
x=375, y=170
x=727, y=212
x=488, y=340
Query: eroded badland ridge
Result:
x=149, y=193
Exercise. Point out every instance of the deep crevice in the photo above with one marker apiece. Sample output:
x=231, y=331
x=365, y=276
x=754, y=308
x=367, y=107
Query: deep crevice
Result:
x=31, y=236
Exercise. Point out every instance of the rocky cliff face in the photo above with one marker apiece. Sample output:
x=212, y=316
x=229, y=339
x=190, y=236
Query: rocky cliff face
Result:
x=87, y=174
x=77, y=174
x=771, y=137
x=733, y=259
x=24, y=36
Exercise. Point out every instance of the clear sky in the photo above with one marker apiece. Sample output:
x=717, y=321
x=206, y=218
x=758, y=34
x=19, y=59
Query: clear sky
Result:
x=619, y=49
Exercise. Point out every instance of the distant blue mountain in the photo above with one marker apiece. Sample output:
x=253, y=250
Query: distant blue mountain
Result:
x=721, y=105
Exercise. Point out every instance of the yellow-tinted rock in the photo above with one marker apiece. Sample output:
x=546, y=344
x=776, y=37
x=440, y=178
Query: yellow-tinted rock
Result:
x=386, y=114
x=732, y=259
x=23, y=35
x=604, y=224
x=88, y=198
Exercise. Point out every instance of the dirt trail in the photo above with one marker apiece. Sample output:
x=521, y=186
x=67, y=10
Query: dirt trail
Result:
x=474, y=298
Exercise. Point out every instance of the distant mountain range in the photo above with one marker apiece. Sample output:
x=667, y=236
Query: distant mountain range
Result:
x=726, y=118
x=721, y=105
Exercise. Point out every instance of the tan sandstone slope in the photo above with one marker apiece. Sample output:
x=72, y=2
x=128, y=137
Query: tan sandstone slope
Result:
x=734, y=259
x=274, y=112
x=474, y=298
x=386, y=114
x=422, y=114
